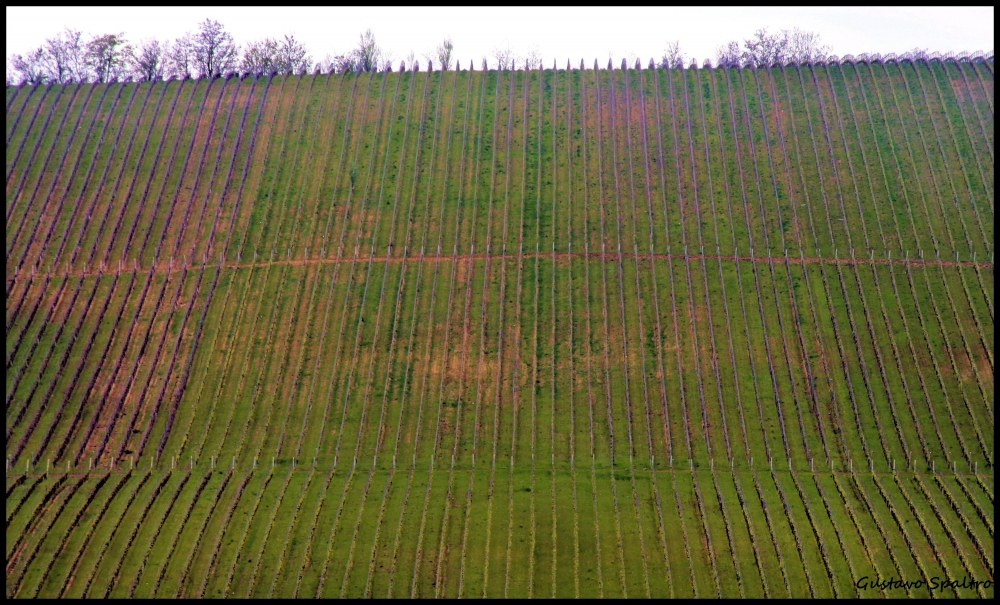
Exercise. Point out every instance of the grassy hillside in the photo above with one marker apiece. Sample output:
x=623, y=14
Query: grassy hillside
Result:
x=575, y=332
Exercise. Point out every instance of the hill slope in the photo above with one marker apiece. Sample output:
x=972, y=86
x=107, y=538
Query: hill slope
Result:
x=561, y=332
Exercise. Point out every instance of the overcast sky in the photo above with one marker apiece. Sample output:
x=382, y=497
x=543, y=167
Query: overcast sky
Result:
x=560, y=33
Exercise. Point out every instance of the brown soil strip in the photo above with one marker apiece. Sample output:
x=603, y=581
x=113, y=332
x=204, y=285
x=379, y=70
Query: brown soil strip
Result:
x=165, y=267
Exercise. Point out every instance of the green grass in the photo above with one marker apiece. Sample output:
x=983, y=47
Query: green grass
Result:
x=106, y=526
x=24, y=192
x=133, y=561
x=407, y=368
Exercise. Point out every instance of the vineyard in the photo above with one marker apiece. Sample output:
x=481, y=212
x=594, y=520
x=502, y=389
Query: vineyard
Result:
x=582, y=332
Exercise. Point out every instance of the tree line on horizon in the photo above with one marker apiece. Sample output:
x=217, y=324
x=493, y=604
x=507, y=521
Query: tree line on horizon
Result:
x=211, y=51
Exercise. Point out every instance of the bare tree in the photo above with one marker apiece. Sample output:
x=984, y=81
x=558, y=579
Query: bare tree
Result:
x=65, y=57
x=804, y=46
x=505, y=58
x=106, y=57
x=533, y=60
x=328, y=65
x=147, y=62
x=343, y=64
x=444, y=53
x=178, y=57
x=729, y=55
x=767, y=49
x=387, y=59
x=291, y=56
x=29, y=68
x=367, y=55
x=259, y=57
x=213, y=51
x=672, y=56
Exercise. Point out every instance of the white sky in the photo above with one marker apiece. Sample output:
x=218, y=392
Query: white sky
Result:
x=560, y=33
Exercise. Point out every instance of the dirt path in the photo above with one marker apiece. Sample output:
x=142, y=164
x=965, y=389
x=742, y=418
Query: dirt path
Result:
x=165, y=267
